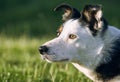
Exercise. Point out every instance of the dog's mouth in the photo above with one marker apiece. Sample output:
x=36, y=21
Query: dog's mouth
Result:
x=47, y=57
x=62, y=60
x=52, y=58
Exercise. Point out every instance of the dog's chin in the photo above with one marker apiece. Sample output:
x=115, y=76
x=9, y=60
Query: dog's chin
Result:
x=51, y=58
x=47, y=58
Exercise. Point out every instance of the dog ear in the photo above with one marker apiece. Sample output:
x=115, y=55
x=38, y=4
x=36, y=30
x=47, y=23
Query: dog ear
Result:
x=69, y=12
x=92, y=14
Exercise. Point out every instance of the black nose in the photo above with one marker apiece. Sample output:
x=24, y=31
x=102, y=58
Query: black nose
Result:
x=43, y=49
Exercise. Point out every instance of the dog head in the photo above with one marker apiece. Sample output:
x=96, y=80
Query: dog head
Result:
x=79, y=37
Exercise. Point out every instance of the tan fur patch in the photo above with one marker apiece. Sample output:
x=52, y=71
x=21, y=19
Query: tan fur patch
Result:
x=59, y=30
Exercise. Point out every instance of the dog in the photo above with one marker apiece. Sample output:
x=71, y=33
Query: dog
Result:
x=87, y=41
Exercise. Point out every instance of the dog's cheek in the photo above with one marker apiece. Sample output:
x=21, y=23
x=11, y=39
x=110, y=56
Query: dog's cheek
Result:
x=80, y=45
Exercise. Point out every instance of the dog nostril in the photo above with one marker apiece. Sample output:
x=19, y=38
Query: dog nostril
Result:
x=43, y=49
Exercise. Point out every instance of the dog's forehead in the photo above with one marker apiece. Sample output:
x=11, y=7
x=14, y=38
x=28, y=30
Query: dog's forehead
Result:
x=72, y=25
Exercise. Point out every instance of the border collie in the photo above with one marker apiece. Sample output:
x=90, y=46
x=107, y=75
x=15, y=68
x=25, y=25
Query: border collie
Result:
x=87, y=41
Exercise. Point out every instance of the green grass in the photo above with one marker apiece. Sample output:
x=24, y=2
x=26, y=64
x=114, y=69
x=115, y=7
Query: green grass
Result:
x=20, y=62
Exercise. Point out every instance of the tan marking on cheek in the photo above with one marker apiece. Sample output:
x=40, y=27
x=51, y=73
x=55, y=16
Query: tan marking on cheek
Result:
x=60, y=30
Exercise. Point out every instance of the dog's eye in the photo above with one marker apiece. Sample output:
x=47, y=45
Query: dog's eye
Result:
x=72, y=36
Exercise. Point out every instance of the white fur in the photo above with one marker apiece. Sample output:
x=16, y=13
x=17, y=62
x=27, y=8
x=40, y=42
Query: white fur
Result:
x=84, y=51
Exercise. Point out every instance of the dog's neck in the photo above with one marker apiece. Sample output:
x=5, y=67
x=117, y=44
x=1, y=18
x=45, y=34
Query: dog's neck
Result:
x=92, y=75
x=92, y=71
x=88, y=72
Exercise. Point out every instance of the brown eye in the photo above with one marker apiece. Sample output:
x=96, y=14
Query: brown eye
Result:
x=72, y=36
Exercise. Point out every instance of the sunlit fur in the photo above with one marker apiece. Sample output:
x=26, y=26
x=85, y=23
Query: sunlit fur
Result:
x=93, y=55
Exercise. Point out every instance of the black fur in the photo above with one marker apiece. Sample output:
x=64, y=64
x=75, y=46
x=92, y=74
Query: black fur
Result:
x=89, y=16
x=111, y=68
x=74, y=12
x=92, y=24
x=94, y=31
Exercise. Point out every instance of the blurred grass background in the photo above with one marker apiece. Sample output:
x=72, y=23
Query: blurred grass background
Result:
x=36, y=18
x=25, y=25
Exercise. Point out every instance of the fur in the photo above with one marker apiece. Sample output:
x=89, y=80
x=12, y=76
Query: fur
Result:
x=87, y=41
x=109, y=66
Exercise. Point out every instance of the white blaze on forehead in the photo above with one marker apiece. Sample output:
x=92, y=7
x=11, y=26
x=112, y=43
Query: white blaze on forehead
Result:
x=71, y=25
x=75, y=27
